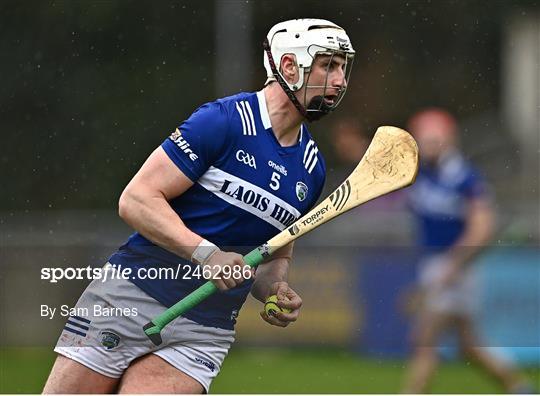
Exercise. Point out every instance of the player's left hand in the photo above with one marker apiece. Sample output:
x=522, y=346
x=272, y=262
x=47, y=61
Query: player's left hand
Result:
x=287, y=298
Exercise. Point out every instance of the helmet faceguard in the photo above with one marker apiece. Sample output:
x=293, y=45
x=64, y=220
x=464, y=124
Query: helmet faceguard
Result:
x=306, y=39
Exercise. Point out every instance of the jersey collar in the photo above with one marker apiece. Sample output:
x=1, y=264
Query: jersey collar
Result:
x=263, y=110
x=265, y=117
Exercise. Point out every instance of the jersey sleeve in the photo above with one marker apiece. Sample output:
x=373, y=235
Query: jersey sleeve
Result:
x=199, y=141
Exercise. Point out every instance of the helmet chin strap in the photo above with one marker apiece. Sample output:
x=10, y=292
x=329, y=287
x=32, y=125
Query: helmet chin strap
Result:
x=317, y=106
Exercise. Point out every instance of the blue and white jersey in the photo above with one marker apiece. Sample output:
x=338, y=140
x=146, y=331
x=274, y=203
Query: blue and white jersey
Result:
x=439, y=198
x=247, y=189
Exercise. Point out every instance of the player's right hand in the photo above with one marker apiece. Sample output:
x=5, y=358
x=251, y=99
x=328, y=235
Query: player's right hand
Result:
x=226, y=270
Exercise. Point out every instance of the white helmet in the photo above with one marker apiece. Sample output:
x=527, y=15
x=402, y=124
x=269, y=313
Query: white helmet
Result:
x=305, y=38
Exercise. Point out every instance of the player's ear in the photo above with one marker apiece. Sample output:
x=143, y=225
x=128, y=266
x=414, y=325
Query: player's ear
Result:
x=289, y=68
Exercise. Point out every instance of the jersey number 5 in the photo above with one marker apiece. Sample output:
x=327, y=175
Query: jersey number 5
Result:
x=274, y=181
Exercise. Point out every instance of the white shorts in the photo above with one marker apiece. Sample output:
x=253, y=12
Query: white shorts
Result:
x=104, y=333
x=459, y=298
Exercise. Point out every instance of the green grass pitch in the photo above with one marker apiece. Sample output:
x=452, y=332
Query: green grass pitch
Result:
x=266, y=370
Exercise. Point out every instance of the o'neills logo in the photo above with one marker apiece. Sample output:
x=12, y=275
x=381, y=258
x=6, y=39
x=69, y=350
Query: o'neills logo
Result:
x=256, y=200
x=315, y=217
x=280, y=168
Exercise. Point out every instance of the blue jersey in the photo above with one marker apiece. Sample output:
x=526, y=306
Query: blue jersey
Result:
x=439, y=198
x=247, y=188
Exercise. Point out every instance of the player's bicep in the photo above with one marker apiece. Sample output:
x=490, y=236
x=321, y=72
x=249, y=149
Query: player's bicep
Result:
x=200, y=141
x=159, y=176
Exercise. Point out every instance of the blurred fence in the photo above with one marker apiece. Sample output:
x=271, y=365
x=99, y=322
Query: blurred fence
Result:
x=93, y=86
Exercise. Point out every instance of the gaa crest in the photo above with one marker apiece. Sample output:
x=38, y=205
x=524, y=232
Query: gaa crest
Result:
x=109, y=339
x=301, y=191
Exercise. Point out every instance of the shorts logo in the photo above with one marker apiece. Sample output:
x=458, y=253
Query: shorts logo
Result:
x=109, y=339
x=246, y=158
x=206, y=363
x=177, y=138
x=301, y=191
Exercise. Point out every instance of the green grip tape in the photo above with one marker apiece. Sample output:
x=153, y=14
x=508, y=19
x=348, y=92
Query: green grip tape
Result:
x=253, y=259
x=185, y=304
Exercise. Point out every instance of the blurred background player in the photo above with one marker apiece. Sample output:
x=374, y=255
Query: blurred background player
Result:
x=456, y=221
x=234, y=174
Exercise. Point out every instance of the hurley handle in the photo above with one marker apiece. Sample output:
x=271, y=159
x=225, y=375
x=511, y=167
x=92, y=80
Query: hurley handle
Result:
x=152, y=329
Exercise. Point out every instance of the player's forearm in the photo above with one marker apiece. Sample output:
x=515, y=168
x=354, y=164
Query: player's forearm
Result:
x=267, y=274
x=154, y=218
